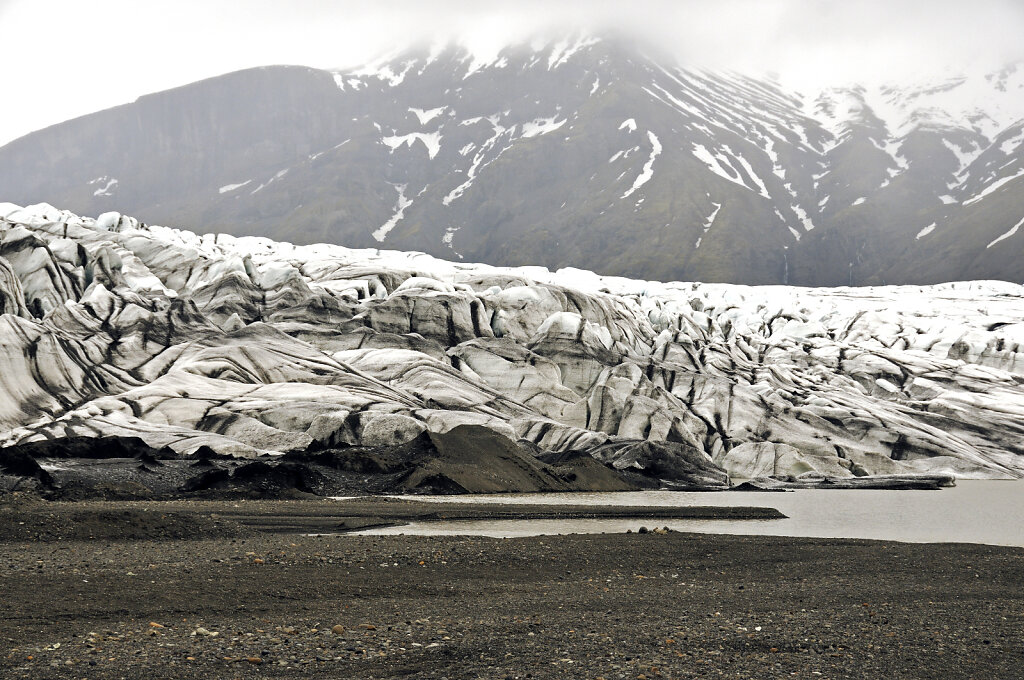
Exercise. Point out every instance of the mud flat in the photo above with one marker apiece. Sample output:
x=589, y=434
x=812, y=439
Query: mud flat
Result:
x=225, y=589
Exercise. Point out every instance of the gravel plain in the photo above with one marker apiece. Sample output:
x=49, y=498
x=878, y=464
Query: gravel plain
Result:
x=203, y=590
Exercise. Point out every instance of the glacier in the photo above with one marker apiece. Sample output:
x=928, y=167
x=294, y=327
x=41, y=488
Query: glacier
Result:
x=249, y=348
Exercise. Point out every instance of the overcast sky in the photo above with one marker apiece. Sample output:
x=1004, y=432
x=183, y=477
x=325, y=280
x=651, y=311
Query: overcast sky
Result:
x=63, y=59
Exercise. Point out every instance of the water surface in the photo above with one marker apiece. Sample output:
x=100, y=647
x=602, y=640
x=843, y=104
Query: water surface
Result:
x=974, y=511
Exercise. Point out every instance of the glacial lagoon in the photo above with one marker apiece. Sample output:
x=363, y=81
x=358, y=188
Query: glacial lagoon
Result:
x=974, y=511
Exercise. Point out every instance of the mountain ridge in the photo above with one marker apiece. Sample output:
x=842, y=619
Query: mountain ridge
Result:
x=585, y=153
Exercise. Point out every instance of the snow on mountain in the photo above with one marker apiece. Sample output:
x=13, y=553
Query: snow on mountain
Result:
x=585, y=152
x=986, y=102
x=248, y=347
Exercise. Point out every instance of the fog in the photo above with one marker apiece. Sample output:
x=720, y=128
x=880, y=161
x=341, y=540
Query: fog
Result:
x=67, y=58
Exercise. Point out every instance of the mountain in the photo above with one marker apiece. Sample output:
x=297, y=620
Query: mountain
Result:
x=587, y=152
x=376, y=369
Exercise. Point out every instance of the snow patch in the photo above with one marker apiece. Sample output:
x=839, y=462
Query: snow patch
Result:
x=711, y=218
x=708, y=223
x=701, y=153
x=449, y=235
x=484, y=58
x=892, y=148
x=628, y=124
x=403, y=203
x=478, y=159
x=718, y=163
x=648, y=170
x=1011, y=144
x=231, y=187
x=859, y=201
x=1007, y=234
x=987, y=102
x=437, y=48
x=924, y=232
x=750, y=172
x=801, y=215
x=773, y=155
x=541, y=126
x=992, y=187
x=963, y=156
x=425, y=116
x=104, y=190
x=382, y=70
x=563, y=50
x=278, y=175
x=430, y=140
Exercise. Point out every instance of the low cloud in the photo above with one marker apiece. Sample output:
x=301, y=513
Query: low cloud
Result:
x=64, y=59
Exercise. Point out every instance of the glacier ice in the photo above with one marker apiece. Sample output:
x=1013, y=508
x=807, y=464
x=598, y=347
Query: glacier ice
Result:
x=253, y=347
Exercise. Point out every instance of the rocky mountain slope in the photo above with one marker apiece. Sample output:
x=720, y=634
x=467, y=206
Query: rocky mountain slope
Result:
x=586, y=152
x=244, y=347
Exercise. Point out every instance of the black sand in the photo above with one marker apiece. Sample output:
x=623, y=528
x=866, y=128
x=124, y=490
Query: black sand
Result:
x=197, y=590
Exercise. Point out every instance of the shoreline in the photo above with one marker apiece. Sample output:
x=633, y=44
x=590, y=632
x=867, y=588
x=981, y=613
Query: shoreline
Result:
x=29, y=518
x=161, y=591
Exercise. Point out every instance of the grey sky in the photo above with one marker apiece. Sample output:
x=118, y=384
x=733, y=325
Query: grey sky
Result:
x=62, y=59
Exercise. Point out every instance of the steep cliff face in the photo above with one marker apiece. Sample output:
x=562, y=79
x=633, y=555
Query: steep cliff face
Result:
x=585, y=153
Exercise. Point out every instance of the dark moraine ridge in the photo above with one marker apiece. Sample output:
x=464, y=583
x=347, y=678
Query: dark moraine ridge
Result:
x=467, y=459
